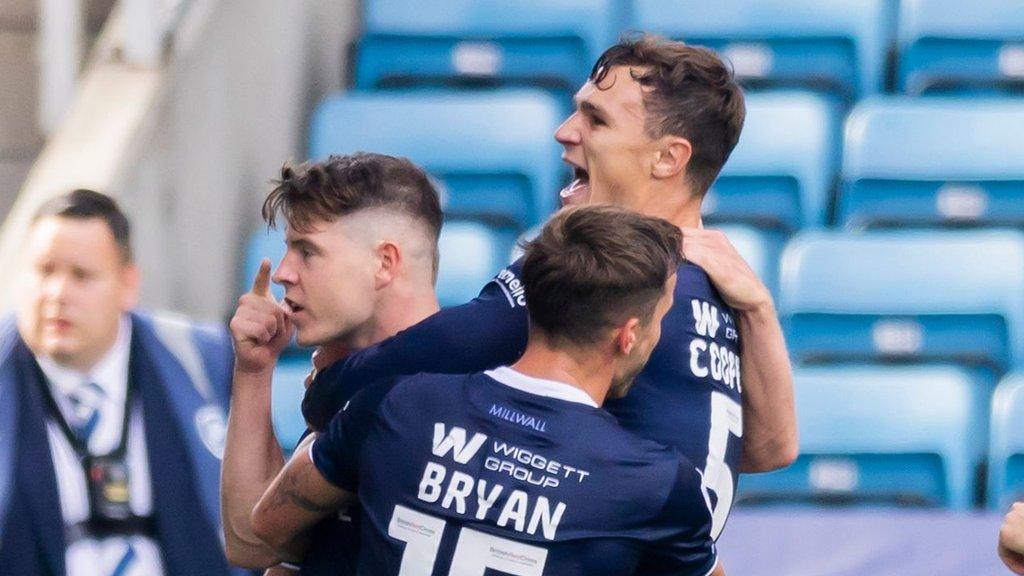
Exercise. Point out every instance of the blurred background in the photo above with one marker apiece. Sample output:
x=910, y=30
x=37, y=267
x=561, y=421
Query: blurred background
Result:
x=878, y=188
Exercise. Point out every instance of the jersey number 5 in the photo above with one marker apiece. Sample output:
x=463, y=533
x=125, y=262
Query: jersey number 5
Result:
x=475, y=551
x=726, y=418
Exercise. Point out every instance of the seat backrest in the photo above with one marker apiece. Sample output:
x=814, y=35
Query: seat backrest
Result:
x=471, y=254
x=933, y=161
x=534, y=42
x=264, y=243
x=922, y=295
x=286, y=397
x=780, y=175
x=871, y=435
x=835, y=45
x=945, y=45
x=1006, y=446
x=493, y=151
x=759, y=249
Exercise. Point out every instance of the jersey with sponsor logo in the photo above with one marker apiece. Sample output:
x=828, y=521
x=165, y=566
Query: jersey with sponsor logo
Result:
x=461, y=474
x=687, y=397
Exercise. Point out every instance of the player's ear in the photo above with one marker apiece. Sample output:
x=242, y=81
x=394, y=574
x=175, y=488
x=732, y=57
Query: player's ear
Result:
x=672, y=156
x=626, y=336
x=389, y=259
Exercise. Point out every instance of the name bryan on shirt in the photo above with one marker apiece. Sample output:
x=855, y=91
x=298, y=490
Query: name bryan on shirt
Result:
x=458, y=491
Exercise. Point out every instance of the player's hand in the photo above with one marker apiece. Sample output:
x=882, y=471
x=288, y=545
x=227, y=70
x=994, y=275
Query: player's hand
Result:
x=261, y=326
x=1011, y=539
x=741, y=289
x=323, y=357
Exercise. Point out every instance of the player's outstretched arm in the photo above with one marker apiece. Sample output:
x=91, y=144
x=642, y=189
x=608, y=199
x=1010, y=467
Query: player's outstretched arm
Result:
x=1011, y=539
x=296, y=500
x=489, y=331
x=769, y=409
x=260, y=329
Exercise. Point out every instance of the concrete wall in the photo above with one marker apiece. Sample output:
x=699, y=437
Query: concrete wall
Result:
x=235, y=108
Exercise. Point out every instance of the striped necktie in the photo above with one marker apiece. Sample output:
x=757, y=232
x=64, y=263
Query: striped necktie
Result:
x=86, y=400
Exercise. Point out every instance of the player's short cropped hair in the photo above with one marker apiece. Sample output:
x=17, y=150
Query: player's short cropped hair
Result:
x=692, y=94
x=85, y=204
x=594, y=267
x=342, y=185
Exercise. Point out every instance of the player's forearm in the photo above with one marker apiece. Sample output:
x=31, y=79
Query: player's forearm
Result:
x=770, y=437
x=252, y=458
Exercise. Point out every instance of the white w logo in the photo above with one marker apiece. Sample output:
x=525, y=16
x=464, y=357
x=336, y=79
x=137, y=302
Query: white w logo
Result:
x=705, y=318
x=455, y=440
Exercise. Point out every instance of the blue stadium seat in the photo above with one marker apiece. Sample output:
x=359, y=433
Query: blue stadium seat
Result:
x=948, y=46
x=532, y=42
x=934, y=161
x=264, y=243
x=759, y=250
x=286, y=398
x=837, y=46
x=878, y=435
x=1006, y=447
x=494, y=152
x=780, y=175
x=919, y=296
x=471, y=254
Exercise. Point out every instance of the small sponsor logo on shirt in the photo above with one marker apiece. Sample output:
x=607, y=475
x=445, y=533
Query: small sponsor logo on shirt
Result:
x=517, y=417
x=512, y=286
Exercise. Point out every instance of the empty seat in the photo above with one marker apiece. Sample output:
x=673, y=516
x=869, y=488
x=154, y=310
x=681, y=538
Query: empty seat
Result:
x=471, y=254
x=286, y=398
x=264, y=243
x=913, y=296
x=947, y=46
x=879, y=435
x=533, y=42
x=494, y=152
x=833, y=45
x=780, y=175
x=758, y=249
x=933, y=161
x=1006, y=447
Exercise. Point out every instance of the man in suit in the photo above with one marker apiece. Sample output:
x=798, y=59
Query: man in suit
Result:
x=111, y=421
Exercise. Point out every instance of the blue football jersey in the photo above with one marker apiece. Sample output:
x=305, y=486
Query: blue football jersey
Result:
x=500, y=473
x=688, y=396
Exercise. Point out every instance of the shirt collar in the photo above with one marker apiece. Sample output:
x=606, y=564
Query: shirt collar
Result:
x=110, y=373
x=540, y=386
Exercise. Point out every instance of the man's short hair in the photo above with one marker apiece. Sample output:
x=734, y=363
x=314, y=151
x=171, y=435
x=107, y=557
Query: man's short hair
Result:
x=693, y=94
x=594, y=267
x=85, y=204
x=343, y=185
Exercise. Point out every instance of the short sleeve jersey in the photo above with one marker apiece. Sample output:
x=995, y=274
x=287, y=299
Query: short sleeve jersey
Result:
x=499, y=473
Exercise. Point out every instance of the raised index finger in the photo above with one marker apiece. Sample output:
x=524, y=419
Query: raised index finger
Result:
x=261, y=285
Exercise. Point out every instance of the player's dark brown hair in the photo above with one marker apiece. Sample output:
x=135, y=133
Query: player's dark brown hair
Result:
x=85, y=204
x=594, y=267
x=692, y=94
x=342, y=185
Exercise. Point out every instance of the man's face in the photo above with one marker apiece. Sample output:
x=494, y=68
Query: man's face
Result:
x=647, y=338
x=606, y=144
x=74, y=290
x=329, y=278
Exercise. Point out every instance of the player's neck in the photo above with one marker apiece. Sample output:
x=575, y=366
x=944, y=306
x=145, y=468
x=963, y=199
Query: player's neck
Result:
x=397, y=310
x=681, y=208
x=585, y=370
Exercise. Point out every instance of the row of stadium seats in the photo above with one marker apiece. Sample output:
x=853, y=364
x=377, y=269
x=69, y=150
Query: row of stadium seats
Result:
x=900, y=436
x=840, y=47
x=936, y=318
x=902, y=161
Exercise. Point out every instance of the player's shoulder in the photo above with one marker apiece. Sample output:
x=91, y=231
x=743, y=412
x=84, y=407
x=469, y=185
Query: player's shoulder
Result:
x=692, y=281
x=421, y=391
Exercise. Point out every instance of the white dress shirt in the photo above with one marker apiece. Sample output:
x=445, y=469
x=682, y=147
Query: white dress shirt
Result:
x=101, y=557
